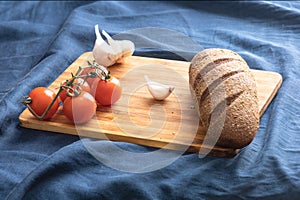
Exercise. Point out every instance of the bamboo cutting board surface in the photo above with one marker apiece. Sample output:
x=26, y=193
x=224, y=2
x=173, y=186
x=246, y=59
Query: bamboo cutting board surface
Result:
x=138, y=118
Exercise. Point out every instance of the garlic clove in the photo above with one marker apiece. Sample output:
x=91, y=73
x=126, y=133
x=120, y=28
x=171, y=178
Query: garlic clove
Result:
x=114, y=44
x=127, y=49
x=100, y=42
x=112, y=51
x=103, y=53
x=157, y=90
x=103, y=58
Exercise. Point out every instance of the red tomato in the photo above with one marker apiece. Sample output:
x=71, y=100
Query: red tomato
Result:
x=41, y=98
x=84, y=86
x=85, y=72
x=80, y=109
x=106, y=92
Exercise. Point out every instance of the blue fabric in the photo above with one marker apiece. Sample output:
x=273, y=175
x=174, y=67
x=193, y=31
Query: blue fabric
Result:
x=38, y=40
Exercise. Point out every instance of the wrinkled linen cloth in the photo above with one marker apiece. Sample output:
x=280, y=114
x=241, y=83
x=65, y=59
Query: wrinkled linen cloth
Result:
x=39, y=40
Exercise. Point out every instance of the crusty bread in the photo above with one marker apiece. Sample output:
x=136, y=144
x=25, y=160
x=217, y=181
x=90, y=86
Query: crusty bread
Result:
x=225, y=92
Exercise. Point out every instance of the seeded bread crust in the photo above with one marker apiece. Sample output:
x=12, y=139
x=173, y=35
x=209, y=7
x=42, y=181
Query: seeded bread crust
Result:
x=225, y=91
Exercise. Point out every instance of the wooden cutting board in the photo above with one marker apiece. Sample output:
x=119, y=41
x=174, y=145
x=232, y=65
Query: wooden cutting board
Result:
x=138, y=118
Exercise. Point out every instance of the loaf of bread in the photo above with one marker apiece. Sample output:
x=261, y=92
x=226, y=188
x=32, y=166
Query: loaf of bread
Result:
x=225, y=92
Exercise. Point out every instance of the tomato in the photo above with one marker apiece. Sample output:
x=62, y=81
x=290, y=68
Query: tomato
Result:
x=41, y=98
x=84, y=86
x=106, y=92
x=80, y=109
x=85, y=72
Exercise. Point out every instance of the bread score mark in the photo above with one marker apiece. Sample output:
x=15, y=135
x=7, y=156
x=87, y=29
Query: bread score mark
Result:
x=219, y=108
x=218, y=82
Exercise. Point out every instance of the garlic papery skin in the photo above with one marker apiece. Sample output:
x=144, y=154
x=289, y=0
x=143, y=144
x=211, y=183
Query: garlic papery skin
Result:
x=112, y=51
x=157, y=90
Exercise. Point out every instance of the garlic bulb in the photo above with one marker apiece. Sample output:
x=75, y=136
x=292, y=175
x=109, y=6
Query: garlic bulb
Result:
x=157, y=90
x=112, y=51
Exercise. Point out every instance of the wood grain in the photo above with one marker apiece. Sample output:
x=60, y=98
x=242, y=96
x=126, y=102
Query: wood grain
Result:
x=138, y=118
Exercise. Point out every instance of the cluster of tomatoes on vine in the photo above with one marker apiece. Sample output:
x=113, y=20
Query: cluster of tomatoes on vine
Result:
x=90, y=87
